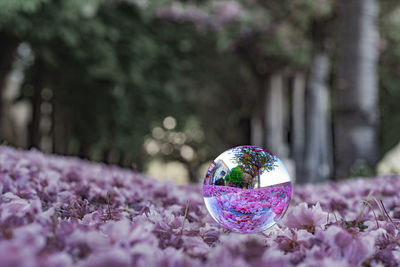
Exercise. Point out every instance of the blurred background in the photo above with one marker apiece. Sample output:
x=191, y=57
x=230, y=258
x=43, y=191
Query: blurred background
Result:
x=163, y=87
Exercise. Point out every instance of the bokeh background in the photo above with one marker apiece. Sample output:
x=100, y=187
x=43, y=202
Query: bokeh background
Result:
x=164, y=86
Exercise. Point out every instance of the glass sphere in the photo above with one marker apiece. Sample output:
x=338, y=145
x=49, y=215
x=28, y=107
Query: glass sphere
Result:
x=247, y=189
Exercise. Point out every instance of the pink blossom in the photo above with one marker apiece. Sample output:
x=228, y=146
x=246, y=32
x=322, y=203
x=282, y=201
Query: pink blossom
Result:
x=302, y=217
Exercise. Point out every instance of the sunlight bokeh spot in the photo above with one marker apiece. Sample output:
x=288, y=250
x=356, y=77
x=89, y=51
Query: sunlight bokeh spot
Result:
x=169, y=123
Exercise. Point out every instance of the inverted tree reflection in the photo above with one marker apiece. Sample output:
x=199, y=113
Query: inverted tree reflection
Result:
x=252, y=161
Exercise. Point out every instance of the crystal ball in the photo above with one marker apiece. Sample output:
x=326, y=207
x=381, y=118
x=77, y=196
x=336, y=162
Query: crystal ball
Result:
x=247, y=189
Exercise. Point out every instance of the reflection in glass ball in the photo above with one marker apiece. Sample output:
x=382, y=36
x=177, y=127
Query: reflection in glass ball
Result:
x=247, y=189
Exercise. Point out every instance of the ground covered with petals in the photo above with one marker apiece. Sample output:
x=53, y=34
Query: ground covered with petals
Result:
x=247, y=210
x=60, y=211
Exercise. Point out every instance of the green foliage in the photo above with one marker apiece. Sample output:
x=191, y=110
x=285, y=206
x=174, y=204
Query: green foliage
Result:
x=352, y=224
x=235, y=176
x=9, y=8
x=362, y=226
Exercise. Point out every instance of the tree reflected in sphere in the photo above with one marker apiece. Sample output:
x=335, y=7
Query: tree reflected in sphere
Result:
x=247, y=189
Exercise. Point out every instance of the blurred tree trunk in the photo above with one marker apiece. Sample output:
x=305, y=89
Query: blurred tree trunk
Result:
x=8, y=47
x=317, y=149
x=192, y=168
x=84, y=149
x=245, y=124
x=274, y=115
x=356, y=143
x=59, y=127
x=36, y=101
x=137, y=162
x=123, y=161
x=67, y=133
x=257, y=117
x=257, y=131
x=298, y=121
x=106, y=153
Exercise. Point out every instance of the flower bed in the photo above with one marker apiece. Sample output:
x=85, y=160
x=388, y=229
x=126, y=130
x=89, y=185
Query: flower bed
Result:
x=60, y=211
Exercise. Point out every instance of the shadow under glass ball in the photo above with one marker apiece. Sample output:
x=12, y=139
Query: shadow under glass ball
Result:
x=247, y=189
